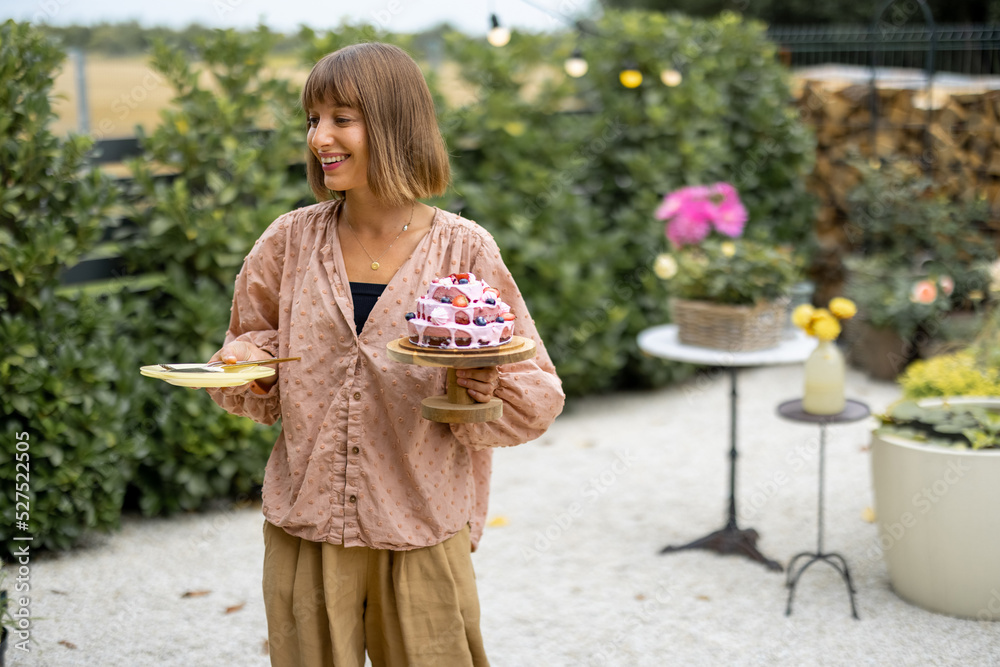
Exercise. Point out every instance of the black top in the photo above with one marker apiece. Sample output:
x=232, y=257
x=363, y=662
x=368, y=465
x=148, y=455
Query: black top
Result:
x=364, y=296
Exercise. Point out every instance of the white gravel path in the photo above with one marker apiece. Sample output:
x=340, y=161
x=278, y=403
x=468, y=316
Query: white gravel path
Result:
x=574, y=577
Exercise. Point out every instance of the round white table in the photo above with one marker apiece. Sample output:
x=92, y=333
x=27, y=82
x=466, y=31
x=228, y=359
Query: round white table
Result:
x=661, y=341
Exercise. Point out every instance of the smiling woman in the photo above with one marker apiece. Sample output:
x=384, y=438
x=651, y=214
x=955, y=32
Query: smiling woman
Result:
x=372, y=511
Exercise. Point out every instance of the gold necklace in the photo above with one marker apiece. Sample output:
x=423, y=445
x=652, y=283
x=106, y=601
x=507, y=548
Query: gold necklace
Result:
x=375, y=260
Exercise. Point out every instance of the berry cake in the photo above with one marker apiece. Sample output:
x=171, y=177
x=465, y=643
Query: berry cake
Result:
x=460, y=312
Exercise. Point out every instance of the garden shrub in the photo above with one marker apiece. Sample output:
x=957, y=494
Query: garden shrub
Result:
x=226, y=181
x=60, y=356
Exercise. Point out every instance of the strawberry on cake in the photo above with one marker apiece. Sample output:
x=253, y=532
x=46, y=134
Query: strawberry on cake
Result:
x=460, y=311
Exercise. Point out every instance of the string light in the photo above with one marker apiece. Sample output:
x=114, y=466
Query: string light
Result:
x=671, y=77
x=576, y=66
x=630, y=76
x=498, y=35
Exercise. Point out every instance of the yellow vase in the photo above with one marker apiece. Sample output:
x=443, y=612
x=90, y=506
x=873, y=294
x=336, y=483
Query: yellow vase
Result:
x=824, y=385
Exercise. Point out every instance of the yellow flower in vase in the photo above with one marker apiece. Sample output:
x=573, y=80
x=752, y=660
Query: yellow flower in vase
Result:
x=802, y=317
x=843, y=309
x=824, y=370
x=825, y=325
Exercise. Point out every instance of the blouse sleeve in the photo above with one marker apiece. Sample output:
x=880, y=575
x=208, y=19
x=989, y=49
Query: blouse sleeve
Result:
x=530, y=390
x=254, y=319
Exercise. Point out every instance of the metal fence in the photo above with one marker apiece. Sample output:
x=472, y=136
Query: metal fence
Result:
x=963, y=49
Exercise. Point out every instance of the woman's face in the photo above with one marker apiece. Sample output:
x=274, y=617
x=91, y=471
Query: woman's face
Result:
x=338, y=138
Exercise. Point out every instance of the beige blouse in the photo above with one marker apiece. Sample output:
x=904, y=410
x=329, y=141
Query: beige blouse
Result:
x=355, y=463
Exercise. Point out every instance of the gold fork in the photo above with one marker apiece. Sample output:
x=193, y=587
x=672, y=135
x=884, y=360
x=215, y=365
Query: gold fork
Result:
x=226, y=367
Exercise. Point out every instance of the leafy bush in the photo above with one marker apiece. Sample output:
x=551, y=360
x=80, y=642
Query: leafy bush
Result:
x=227, y=181
x=956, y=374
x=59, y=356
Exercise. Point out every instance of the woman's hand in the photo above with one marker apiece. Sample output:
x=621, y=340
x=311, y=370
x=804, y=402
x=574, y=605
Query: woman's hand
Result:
x=480, y=382
x=240, y=350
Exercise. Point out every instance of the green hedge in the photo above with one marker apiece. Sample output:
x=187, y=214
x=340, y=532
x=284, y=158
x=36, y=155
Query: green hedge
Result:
x=60, y=357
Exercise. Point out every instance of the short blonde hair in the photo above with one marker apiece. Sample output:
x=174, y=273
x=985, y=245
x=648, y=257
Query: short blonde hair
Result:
x=407, y=158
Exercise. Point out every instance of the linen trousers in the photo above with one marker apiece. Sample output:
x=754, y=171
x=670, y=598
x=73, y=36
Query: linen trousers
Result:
x=326, y=604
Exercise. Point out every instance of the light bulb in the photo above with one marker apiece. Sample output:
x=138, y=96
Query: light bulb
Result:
x=671, y=77
x=498, y=35
x=575, y=65
x=630, y=77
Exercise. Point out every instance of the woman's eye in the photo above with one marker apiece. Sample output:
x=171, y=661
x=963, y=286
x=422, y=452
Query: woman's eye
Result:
x=312, y=121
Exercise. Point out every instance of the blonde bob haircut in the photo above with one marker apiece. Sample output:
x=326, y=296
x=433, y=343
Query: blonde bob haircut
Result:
x=407, y=159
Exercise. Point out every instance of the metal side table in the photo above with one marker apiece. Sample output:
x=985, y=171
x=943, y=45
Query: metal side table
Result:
x=662, y=341
x=792, y=410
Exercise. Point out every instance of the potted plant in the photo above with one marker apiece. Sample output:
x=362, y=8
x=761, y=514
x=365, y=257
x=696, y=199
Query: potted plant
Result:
x=896, y=303
x=935, y=466
x=918, y=268
x=727, y=292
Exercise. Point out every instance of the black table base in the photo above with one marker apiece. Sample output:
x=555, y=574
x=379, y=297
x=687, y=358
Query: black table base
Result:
x=792, y=410
x=730, y=540
x=835, y=560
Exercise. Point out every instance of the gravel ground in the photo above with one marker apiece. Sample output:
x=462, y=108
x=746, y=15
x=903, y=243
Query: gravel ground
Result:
x=569, y=571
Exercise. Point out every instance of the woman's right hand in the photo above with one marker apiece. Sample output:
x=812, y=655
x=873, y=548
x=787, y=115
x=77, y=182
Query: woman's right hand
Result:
x=240, y=350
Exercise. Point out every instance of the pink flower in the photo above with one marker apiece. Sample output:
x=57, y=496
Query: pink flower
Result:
x=924, y=291
x=671, y=204
x=730, y=217
x=726, y=193
x=691, y=224
x=693, y=211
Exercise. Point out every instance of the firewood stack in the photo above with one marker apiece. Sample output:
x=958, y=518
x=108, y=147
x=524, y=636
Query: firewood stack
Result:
x=952, y=131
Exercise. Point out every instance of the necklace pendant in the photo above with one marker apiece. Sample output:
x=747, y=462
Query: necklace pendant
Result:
x=375, y=266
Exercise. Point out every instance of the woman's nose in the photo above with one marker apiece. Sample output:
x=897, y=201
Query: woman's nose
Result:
x=323, y=135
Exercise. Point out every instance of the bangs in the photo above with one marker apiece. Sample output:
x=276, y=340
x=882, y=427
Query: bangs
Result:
x=331, y=82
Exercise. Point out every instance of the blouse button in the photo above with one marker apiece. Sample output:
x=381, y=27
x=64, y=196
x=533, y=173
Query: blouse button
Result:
x=357, y=396
x=353, y=499
x=356, y=450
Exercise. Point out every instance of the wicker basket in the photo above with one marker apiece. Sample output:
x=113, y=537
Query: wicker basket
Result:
x=726, y=327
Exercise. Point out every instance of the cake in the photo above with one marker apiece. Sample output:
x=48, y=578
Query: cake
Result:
x=460, y=312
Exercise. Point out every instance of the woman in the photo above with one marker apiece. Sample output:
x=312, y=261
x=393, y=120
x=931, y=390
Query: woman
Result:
x=372, y=511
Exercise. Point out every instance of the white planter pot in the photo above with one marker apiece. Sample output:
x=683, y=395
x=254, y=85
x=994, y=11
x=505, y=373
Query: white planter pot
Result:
x=938, y=513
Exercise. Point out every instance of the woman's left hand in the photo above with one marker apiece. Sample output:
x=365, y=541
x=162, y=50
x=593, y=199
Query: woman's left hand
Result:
x=481, y=382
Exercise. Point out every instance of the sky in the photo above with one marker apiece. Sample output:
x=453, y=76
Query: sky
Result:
x=404, y=16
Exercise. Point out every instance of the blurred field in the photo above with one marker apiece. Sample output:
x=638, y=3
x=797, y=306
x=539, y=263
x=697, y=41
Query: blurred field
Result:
x=125, y=92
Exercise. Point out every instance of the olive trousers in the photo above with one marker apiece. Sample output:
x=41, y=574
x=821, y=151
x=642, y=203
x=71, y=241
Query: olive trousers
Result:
x=327, y=604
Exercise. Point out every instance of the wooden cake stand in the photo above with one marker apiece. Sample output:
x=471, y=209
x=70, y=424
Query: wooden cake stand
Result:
x=457, y=407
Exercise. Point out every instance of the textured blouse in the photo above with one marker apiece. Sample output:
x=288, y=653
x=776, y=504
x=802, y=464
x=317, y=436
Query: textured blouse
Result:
x=355, y=463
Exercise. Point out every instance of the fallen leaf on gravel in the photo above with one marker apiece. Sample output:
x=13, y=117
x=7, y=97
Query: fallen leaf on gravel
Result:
x=498, y=522
x=52, y=590
x=640, y=596
x=704, y=597
x=235, y=607
x=195, y=594
x=868, y=514
x=67, y=644
x=265, y=648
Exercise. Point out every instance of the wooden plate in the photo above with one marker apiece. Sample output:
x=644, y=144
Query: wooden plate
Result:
x=516, y=349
